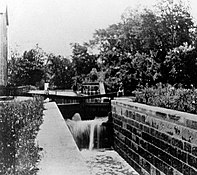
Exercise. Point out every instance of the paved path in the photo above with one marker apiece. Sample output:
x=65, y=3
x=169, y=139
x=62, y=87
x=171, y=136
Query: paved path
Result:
x=60, y=155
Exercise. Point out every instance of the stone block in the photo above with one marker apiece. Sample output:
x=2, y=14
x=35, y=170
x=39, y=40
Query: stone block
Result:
x=134, y=147
x=118, y=122
x=181, y=155
x=157, y=124
x=121, y=137
x=118, y=110
x=131, y=115
x=131, y=122
x=166, y=138
x=150, y=158
x=191, y=124
x=144, y=172
x=124, y=125
x=187, y=147
x=134, y=130
x=170, y=171
x=159, y=165
x=194, y=150
x=177, y=164
x=128, y=142
x=113, y=108
x=158, y=172
x=126, y=113
x=136, y=157
x=141, y=127
x=176, y=172
x=128, y=127
x=153, y=170
x=139, y=132
x=178, y=143
x=138, y=116
x=167, y=147
x=146, y=137
x=148, y=120
x=137, y=167
x=136, y=124
x=186, y=169
x=177, y=131
x=169, y=128
x=152, y=132
x=174, y=117
x=167, y=169
x=147, y=166
x=143, y=143
x=189, y=135
x=161, y=115
x=192, y=161
x=146, y=128
x=173, y=151
x=127, y=133
x=193, y=171
x=167, y=158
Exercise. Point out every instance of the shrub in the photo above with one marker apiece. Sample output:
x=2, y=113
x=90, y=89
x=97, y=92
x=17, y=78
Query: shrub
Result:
x=19, y=125
x=168, y=96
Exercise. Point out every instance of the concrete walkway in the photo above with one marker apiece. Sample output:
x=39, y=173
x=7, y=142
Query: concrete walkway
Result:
x=60, y=155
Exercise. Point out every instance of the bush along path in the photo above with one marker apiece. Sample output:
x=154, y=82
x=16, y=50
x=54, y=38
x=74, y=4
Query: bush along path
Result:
x=19, y=125
x=167, y=96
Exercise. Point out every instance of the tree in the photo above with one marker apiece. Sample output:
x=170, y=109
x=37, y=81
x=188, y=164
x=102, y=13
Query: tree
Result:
x=136, y=49
x=61, y=72
x=82, y=61
x=181, y=66
x=175, y=23
x=146, y=69
x=27, y=69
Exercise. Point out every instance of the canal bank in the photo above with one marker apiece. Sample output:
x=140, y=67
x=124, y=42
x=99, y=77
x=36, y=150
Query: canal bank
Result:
x=60, y=154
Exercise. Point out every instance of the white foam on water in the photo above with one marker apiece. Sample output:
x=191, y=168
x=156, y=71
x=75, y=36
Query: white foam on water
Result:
x=106, y=162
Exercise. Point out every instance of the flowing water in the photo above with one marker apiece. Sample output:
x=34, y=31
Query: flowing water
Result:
x=89, y=134
x=90, y=137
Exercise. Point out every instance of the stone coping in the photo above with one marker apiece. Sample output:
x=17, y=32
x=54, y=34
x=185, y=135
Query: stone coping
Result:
x=60, y=154
x=183, y=118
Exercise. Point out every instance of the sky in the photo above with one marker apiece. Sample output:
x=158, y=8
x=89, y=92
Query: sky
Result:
x=54, y=24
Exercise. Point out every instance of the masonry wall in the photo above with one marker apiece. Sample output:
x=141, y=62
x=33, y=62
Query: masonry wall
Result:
x=155, y=141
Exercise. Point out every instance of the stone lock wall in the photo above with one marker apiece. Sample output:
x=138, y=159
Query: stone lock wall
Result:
x=153, y=140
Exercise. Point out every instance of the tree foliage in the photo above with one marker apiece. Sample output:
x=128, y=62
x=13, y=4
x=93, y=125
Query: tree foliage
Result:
x=140, y=49
x=180, y=66
x=27, y=69
x=61, y=72
x=146, y=47
x=83, y=61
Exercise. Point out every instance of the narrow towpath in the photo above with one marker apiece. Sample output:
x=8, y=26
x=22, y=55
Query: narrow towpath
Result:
x=60, y=155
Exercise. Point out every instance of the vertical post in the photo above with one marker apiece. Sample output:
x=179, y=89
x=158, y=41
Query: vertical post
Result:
x=3, y=50
x=46, y=86
x=14, y=163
